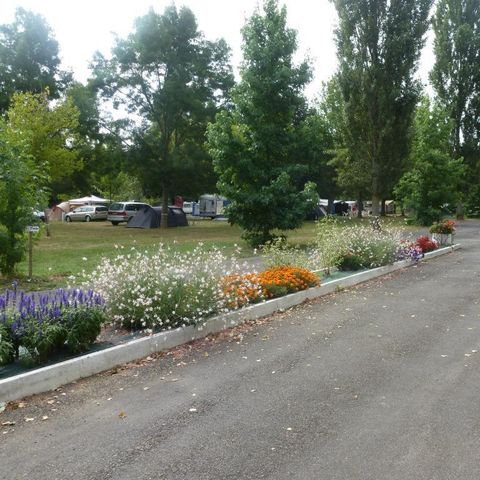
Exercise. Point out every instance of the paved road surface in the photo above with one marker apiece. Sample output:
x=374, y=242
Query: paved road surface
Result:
x=379, y=382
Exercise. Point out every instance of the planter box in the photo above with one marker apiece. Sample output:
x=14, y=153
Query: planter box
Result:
x=444, y=238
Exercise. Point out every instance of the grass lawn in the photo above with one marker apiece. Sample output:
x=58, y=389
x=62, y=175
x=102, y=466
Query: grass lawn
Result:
x=77, y=246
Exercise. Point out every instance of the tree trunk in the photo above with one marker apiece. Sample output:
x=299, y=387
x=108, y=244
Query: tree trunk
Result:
x=331, y=206
x=360, y=207
x=164, y=217
x=375, y=205
x=460, y=211
x=383, y=212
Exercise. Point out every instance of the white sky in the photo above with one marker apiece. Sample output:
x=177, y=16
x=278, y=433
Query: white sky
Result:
x=82, y=27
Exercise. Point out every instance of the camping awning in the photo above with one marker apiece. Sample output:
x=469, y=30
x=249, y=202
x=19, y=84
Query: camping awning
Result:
x=86, y=200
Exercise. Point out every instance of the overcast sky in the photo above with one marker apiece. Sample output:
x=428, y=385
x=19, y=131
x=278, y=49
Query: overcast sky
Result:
x=83, y=26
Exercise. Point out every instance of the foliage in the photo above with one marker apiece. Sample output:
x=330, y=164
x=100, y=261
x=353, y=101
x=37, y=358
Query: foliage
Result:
x=426, y=244
x=254, y=145
x=48, y=132
x=46, y=324
x=356, y=246
x=329, y=242
x=456, y=80
x=278, y=253
x=29, y=58
x=445, y=227
x=21, y=183
x=379, y=44
x=434, y=177
x=174, y=80
x=163, y=289
x=370, y=248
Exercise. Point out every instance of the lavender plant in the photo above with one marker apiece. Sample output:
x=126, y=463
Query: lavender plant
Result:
x=46, y=323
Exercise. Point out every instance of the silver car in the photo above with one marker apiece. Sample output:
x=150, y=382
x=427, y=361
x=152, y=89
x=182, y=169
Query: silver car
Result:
x=123, y=211
x=87, y=213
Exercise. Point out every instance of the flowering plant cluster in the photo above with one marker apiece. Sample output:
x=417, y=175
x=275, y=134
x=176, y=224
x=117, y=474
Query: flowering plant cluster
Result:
x=164, y=288
x=363, y=247
x=273, y=282
x=278, y=281
x=279, y=253
x=445, y=227
x=40, y=325
x=426, y=244
x=409, y=251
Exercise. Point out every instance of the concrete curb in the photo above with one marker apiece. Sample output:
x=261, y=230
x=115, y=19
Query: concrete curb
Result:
x=53, y=376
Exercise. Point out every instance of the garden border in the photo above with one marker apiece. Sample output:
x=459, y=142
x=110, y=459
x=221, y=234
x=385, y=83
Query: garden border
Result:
x=53, y=376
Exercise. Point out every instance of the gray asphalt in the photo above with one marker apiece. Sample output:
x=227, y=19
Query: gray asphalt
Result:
x=376, y=382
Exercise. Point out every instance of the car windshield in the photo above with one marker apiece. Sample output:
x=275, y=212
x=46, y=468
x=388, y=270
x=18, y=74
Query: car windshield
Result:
x=116, y=206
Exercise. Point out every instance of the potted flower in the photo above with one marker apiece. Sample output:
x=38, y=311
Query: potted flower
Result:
x=443, y=232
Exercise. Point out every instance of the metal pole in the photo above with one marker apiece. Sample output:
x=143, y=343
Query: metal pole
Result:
x=30, y=252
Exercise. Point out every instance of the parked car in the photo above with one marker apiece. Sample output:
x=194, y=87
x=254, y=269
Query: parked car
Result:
x=87, y=213
x=123, y=211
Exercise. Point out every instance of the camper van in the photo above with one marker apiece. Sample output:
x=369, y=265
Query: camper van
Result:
x=212, y=206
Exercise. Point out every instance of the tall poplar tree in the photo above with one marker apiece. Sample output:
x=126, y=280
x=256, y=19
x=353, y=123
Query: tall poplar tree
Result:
x=379, y=44
x=254, y=146
x=456, y=80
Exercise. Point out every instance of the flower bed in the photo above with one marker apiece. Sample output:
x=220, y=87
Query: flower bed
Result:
x=33, y=327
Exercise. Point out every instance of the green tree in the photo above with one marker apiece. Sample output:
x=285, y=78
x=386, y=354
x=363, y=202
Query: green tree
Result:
x=434, y=177
x=175, y=81
x=29, y=58
x=48, y=132
x=456, y=80
x=379, y=44
x=254, y=145
x=21, y=189
x=351, y=174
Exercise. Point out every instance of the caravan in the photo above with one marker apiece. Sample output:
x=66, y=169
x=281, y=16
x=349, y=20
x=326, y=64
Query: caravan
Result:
x=212, y=206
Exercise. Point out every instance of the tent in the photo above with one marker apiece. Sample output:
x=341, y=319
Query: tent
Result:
x=92, y=199
x=150, y=217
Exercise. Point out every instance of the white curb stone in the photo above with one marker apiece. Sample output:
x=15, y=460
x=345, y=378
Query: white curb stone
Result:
x=53, y=376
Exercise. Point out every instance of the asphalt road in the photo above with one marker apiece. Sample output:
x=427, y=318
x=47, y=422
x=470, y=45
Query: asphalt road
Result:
x=378, y=382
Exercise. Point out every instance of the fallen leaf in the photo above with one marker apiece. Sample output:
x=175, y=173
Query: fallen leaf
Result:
x=8, y=424
x=29, y=419
x=122, y=415
x=45, y=417
x=22, y=405
x=443, y=356
x=50, y=402
x=146, y=388
x=192, y=410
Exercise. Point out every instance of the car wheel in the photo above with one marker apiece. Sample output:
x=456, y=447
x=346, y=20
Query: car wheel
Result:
x=115, y=223
x=68, y=219
x=87, y=218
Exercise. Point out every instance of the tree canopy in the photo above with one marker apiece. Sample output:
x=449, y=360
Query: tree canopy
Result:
x=379, y=44
x=174, y=81
x=254, y=145
x=29, y=58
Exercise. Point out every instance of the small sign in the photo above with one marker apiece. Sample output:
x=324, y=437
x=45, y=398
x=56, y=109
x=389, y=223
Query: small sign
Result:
x=33, y=228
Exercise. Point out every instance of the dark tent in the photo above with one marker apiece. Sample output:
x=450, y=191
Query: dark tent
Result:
x=150, y=217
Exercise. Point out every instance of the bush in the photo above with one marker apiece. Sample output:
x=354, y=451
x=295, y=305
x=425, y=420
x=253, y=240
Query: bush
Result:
x=350, y=262
x=164, y=289
x=426, y=244
x=43, y=325
x=279, y=253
